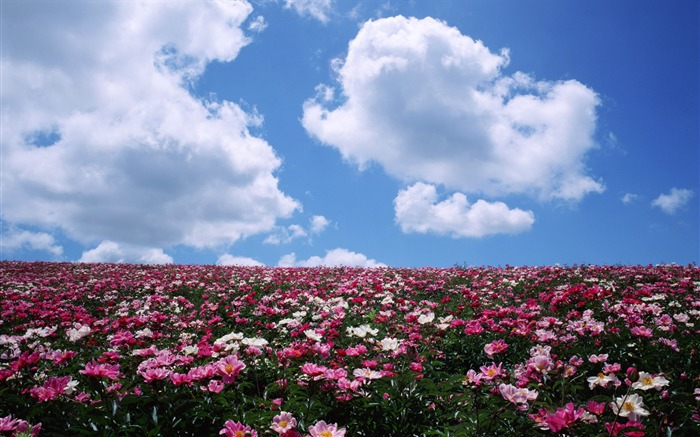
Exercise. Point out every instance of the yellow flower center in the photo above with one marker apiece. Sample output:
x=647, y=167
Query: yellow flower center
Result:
x=326, y=433
x=601, y=376
x=648, y=380
x=628, y=406
x=283, y=423
x=239, y=433
x=229, y=369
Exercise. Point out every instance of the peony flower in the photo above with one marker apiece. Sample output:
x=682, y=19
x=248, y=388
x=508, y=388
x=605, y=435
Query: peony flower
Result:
x=237, y=429
x=631, y=406
x=602, y=380
x=322, y=429
x=495, y=347
x=283, y=423
x=390, y=344
x=426, y=318
x=647, y=381
x=229, y=368
x=92, y=368
x=491, y=372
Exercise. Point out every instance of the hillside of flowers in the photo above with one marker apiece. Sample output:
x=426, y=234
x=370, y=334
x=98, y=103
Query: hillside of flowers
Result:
x=135, y=350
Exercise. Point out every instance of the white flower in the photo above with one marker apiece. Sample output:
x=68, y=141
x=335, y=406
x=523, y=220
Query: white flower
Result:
x=79, y=331
x=426, y=318
x=69, y=389
x=631, y=406
x=390, y=344
x=255, y=341
x=311, y=334
x=366, y=373
x=646, y=381
x=362, y=331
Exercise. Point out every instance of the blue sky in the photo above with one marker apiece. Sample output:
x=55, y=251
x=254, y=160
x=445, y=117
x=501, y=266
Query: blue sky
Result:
x=309, y=132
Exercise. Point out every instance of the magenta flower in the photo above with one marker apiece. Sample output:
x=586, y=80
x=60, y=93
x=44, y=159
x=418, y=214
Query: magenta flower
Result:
x=237, y=429
x=322, y=429
x=564, y=417
x=97, y=370
x=156, y=374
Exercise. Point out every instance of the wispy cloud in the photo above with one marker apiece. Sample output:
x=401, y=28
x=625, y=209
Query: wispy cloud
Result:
x=317, y=9
x=629, y=198
x=284, y=235
x=676, y=199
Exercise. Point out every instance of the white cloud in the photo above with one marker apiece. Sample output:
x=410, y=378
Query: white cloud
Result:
x=318, y=224
x=417, y=210
x=230, y=260
x=670, y=203
x=318, y=9
x=258, y=24
x=109, y=251
x=136, y=159
x=284, y=235
x=629, y=198
x=17, y=239
x=335, y=257
x=431, y=104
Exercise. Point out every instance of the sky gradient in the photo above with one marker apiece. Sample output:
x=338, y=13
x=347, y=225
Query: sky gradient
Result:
x=321, y=132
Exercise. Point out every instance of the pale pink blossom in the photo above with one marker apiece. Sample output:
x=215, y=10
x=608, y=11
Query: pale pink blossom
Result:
x=322, y=429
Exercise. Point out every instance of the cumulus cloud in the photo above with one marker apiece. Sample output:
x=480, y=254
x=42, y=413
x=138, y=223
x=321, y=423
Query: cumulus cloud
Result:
x=318, y=9
x=335, y=257
x=17, y=239
x=109, y=251
x=417, y=209
x=103, y=139
x=231, y=260
x=431, y=104
x=676, y=199
x=318, y=224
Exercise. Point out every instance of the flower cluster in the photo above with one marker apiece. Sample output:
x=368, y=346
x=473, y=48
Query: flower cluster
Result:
x=120, y=349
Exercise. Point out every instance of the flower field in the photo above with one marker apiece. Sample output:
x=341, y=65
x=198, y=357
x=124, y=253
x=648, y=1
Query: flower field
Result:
x=134, y=350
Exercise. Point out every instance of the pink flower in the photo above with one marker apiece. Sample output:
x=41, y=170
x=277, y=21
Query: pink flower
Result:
x=7, y=423
x=214, y=386
x=564, y=417
x=229, y=368
x=283, y=422
x=491, y=372
x=180, y=379
x=150, y=375
x=642, y=331
x=495, y=347
x=322, y=429
x=312, y=369
x=598, y=358
x=237, y=429
x=518, y=396
x=92, y=368
x=595, y=407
